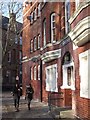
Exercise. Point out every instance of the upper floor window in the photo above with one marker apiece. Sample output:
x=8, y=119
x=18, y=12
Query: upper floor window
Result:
x=30, y=73
x=16, y=40
x=44, y=32
x=9, y=56
x=38, y=72
x=35, y=14
x=20, y=55
x=35, y=44
x=53, y=28
x=31, y=19
x=77, y=2
x=31, y=70
x=38, y=41
x=31, y=45
x=67, y=15
x=34, y=72
x=44, y=1
x=39, y=10
x=14, y=55
x=20, y=40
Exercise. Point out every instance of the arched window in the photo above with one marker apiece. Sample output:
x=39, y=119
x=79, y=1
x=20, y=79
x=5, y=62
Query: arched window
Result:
x=67, y=58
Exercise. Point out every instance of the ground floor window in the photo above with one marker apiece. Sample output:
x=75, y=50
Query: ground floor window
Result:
x=84, y=69
x=51, y=78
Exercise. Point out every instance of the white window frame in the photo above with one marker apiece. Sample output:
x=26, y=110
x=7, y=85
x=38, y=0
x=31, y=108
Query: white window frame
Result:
x=39, y=37
x=65, y=79
x=35, y=44
x=67, y=15
x=44, y=32
x=35, y=72
x=38, y=72
x=51, y=85
x=53, y=28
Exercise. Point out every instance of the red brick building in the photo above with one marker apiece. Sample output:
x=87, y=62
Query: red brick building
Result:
x=55, y=52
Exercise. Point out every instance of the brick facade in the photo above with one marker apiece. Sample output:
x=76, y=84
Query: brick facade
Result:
x=59, y=60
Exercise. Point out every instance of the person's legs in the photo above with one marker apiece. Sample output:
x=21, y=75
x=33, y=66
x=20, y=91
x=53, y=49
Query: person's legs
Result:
x=18, y=101
x=29, y=104
x=15, y=103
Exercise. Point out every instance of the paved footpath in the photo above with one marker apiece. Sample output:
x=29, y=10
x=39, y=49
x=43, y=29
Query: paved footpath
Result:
x=39, y=110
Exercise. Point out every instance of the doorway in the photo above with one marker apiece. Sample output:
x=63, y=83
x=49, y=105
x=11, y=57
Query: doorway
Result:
x=68, y=84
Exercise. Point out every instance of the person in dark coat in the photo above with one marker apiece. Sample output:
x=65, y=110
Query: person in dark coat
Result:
x=16, y=96
x=29, y=94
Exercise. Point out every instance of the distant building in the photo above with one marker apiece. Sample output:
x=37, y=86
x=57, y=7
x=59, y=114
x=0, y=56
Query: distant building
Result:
x=56, y=43
x=11, y=61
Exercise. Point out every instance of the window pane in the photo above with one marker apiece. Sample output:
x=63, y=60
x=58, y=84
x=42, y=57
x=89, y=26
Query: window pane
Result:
x=35, y=44
x=34, y=72
x=38, y=72
x=31, y=45
x=51, y=78
x=44, y=32
x=38, y=41
x=53, y=28
x=31, y=73
x=69, y=76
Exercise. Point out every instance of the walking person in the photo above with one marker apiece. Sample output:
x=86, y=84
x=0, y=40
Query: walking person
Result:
x=16, y=96
x=29, y=95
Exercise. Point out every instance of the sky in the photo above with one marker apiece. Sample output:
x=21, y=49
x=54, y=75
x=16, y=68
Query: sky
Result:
x=5, y=11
